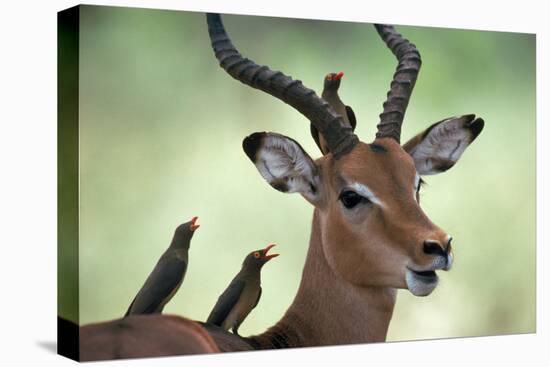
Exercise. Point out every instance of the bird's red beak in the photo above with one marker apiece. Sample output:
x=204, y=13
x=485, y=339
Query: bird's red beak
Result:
x=266, y=256
x=194, y=224
x=339, y=76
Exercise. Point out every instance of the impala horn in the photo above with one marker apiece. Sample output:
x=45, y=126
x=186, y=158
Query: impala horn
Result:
x=402, y=84
x=340, y=138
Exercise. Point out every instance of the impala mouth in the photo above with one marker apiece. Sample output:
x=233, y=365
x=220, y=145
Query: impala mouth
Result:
x=427, y=275
x=421, y=283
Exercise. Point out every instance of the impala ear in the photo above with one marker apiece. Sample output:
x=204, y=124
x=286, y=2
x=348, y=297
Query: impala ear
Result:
x=440, y=146
x=283, y=163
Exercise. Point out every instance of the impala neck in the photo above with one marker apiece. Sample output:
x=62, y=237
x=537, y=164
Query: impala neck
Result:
x=327, y=310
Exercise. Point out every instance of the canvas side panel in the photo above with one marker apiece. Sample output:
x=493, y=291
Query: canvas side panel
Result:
x=67, y=182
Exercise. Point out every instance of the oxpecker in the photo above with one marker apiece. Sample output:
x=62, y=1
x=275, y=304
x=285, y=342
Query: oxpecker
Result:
x=167, y=276
x=242, y=294
x=330, y=94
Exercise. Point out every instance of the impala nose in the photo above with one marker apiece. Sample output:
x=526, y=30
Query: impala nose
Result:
x=435, y=248
x=432, y=247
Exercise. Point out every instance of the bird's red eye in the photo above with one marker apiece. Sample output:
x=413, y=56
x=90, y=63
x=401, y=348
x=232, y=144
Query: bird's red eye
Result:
x=328, y=77
x=257, y=255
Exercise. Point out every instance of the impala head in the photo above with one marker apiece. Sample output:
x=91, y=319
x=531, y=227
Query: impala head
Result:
x=373, y=230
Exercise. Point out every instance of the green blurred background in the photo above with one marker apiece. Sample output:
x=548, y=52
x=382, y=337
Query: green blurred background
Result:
x=161, y=127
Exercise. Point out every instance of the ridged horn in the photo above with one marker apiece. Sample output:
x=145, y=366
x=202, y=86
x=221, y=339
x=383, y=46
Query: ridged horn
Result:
x=409, y=62
x=339, y=137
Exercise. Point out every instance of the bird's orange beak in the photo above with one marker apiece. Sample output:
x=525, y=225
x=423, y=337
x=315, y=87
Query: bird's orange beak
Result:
x=266, y=256
x=339, y=76
x=194, y=224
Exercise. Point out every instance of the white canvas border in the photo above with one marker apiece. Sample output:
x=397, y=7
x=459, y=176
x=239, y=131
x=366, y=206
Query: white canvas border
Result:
x=28, y=187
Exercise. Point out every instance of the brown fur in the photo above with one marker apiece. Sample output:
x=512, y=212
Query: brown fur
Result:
x=355, y=242
x=140, y=336
x=329, y=310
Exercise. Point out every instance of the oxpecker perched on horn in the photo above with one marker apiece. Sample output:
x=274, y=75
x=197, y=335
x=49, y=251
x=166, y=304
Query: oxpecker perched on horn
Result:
x=331, y=85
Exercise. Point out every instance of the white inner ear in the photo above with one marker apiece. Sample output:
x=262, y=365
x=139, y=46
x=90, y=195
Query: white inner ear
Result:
x=443, y=145
x=283, y=163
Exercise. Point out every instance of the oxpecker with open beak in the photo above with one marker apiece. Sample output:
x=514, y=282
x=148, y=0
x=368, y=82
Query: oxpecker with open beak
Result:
x=243, y=293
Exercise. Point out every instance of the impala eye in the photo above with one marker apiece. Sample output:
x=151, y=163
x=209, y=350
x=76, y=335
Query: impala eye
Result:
x=350, y=199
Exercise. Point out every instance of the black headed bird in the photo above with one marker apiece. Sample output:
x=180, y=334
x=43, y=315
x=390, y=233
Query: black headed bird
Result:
x=243, y=292
x=330, y=94
x=167, y=276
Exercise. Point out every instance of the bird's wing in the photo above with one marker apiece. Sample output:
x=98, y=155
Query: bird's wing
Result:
x=315, y=135
x=351, y=117
x=160, y=286
x=258, y=299
x=226, y=302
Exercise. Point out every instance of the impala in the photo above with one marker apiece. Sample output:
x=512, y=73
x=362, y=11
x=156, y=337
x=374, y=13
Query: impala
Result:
x=369, y=235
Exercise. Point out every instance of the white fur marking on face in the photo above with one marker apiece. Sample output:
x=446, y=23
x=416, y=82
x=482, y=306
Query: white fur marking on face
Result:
x=450, y=259
x=366, y=192
x=418, y=287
